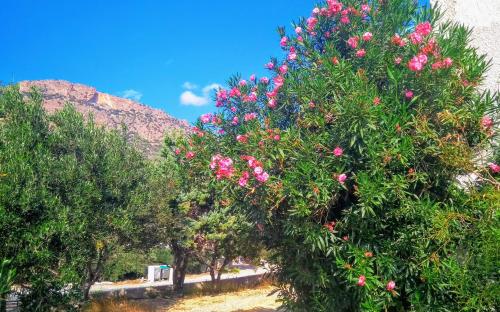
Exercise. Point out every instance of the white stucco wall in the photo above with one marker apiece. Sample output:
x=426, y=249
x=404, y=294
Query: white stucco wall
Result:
x=484, y=17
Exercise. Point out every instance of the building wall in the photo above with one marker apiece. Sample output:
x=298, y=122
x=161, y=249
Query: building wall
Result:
x=484, y=17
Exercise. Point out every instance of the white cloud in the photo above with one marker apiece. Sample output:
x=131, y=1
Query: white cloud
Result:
x=191, y=99
x=189, y=85
x=131, y=94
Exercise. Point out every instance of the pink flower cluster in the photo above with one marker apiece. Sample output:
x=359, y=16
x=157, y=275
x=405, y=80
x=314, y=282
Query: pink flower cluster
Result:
x=397, y=40
x=495, y=168
x=417, y=63
x=223, y=166
x=250, y=116
x=361, y=281
x=258, y=171
x=486, y=122
x=205, y=118
x=390, y=286
x=242, y=138
x=446, y=63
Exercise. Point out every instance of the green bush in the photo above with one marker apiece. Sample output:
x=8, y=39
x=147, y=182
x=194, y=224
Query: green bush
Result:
x=124, y=265
x=347, y=161
x=65, y=191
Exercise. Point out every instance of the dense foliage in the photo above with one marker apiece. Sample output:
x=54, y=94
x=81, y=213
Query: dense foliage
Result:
x=181, y=204
x=346, y=161
x=65, y=190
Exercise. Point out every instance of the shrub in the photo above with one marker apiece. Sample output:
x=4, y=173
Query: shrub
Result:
x=65, y=189
x=347, y=160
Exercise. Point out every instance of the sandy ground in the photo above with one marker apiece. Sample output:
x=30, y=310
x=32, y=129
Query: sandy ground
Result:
x=250, y=300
x=260, y=299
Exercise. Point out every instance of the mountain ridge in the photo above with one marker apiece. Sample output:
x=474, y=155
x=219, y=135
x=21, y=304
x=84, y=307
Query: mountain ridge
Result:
x=146, y=126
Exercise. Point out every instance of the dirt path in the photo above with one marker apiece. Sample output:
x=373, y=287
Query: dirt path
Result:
x=260, y=299
x=250, y=300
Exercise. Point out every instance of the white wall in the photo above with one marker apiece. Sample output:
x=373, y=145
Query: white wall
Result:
x=484, y=17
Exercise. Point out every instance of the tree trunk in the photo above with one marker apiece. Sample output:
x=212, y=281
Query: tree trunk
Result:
x=3, y=304
x=93, y=275
x=224, y=264
x=181, y=259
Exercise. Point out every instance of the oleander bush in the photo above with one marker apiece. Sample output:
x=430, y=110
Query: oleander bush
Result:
x=346, y=161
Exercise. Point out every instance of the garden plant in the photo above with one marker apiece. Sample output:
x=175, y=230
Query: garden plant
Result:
x=347, y=161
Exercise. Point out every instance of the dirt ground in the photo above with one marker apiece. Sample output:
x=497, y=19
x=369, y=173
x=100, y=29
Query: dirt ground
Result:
x=260, y=299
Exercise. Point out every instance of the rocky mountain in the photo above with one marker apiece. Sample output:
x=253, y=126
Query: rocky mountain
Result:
x=146, y=126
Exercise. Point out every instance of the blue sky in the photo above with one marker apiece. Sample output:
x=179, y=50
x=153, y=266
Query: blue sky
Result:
x=150, y=50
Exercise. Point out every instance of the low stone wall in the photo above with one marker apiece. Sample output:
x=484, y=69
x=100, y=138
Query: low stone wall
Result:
x=165, y=290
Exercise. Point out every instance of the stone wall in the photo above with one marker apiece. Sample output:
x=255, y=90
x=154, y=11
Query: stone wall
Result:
x=484, y=17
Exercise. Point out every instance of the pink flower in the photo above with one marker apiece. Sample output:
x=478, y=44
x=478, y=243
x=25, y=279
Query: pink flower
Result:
x=312, y=105
x=416, y=38
x=263, y=177
x=300, y=39
x=390, y=286
x=341, y=178
x=397, y=60
x=361, y=53
x=271, y=103
x=353, y=42
x=283, y=42
x=276, y=137
x=269, y=65
x=264, y=80
x=177, y=151
x=338, y=151
x=243, y=82
x=283, y=69
x=278, y=81
x=315, y=11
x=244, y=178
x=397, y=40
x=415, y=65
x=292, y=56
x=447, y=62
x=216, y=120
x=311, y=23
x=242, y=182
x=258, y=170
x=376, y=101
x=223, y=166
x=235, y=120
x=367, y=36
x=190, y=155
x=423, y=29
x=345, y=19
x=409, y=94
x=252, y=77
x=422, y=58
x=365, y=8
x=334, y=6
x=235, y=92
x=205, y=118
x=487, y=122
x=362, y=281
x=242, y=138
x=250, y=116
x=298, y=30
x=494, y=167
